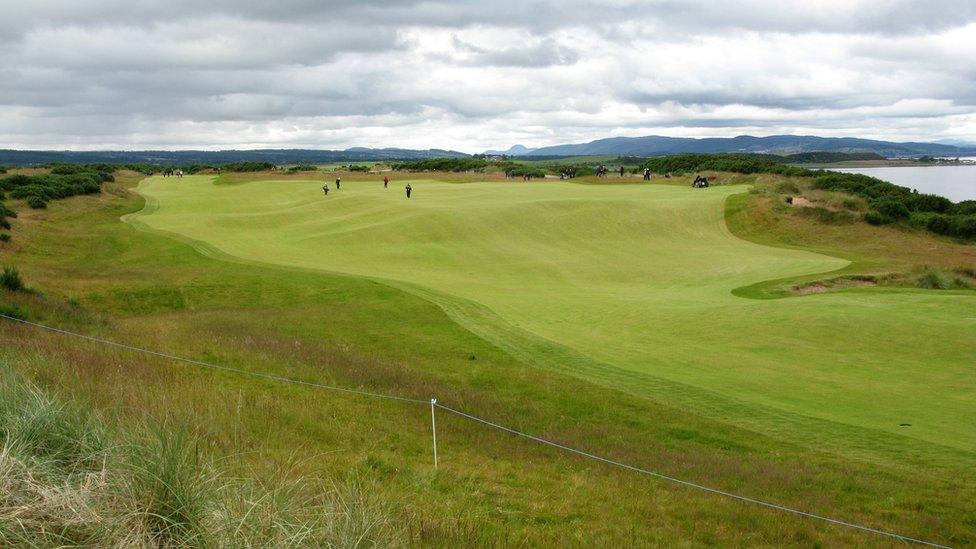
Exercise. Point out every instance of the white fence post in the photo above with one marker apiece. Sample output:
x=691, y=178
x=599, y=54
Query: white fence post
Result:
x=433, y=428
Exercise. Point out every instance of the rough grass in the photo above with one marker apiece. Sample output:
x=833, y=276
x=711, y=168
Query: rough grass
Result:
x=63, y=483
x=491, y=489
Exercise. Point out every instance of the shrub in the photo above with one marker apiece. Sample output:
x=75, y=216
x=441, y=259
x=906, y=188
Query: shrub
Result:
x=36, y=202
x=874, y=218
x=929, y=203
x=787, y=187
x=892, y=209
x=4, y=237
x=10, y=279
x=932, y=279
x=303, y=168
x=966, y=207
x=13, y=311
x=964, y=226
x=4, y=224
x=939, y=224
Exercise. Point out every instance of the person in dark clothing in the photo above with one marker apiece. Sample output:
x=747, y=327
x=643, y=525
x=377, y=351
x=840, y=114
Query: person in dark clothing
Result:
x=408, y=188
x=647, y=174
x=621, y=171
x=338, y=182
x=386, y=182
x=325, y=189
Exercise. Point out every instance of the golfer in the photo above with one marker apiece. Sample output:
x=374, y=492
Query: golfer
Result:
x=408, y=188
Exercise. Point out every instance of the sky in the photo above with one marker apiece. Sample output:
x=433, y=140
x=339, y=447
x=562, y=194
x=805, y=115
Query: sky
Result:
x=474, y=75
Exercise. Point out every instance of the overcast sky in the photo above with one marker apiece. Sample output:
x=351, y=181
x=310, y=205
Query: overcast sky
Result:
x=474, y=75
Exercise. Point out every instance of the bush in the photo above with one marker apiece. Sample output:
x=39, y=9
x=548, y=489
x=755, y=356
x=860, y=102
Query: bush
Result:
x=929, y=203
x=966, y=207
x=939, y=224
x=892, y=209
x=964, y=227
x=10, y=279
x=36, y=202
x=303, y=168
x=874, y=218
x=932, y=279
x=4, y=224
x=13, y=311
x=4, y=237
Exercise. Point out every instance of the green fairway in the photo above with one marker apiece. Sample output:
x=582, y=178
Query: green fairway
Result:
x=625, y=285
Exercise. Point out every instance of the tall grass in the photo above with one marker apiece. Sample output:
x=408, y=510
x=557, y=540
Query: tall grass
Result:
x=10, y=280
x=62, y=483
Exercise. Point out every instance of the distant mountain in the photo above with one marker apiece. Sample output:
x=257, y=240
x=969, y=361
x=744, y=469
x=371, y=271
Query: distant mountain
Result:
x=777, y=144
x=514, y=150
x=278, y=156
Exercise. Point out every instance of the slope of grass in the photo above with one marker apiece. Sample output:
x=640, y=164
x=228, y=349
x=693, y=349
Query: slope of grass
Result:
x=65, y=480
x=636, y=280
x=99, y=276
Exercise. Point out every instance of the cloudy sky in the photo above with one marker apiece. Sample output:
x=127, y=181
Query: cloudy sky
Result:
x=473, y=75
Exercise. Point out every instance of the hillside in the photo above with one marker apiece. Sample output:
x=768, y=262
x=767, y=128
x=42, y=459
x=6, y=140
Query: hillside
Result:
x=187, y=157
x=779, y=144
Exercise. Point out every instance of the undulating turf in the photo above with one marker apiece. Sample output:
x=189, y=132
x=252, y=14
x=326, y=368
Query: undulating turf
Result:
x=629, y=286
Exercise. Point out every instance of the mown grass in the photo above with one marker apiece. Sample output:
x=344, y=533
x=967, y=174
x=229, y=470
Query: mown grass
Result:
x=490, y=489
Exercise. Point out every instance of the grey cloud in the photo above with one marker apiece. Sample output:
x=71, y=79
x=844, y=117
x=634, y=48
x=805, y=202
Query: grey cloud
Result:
x=544, y=53
x=445, y=73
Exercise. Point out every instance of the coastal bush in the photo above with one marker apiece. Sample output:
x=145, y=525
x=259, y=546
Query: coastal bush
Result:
x=892, y=209
x=4, y=237
x=874, y=218
x=303, y=168
x=939, y=224
x=966, y=207
x=10, y=279
x=36, y=202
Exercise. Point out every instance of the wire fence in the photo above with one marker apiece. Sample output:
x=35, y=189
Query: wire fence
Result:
x=434, y=405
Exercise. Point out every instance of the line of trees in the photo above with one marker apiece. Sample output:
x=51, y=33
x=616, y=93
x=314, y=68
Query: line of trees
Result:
x=737, y=163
